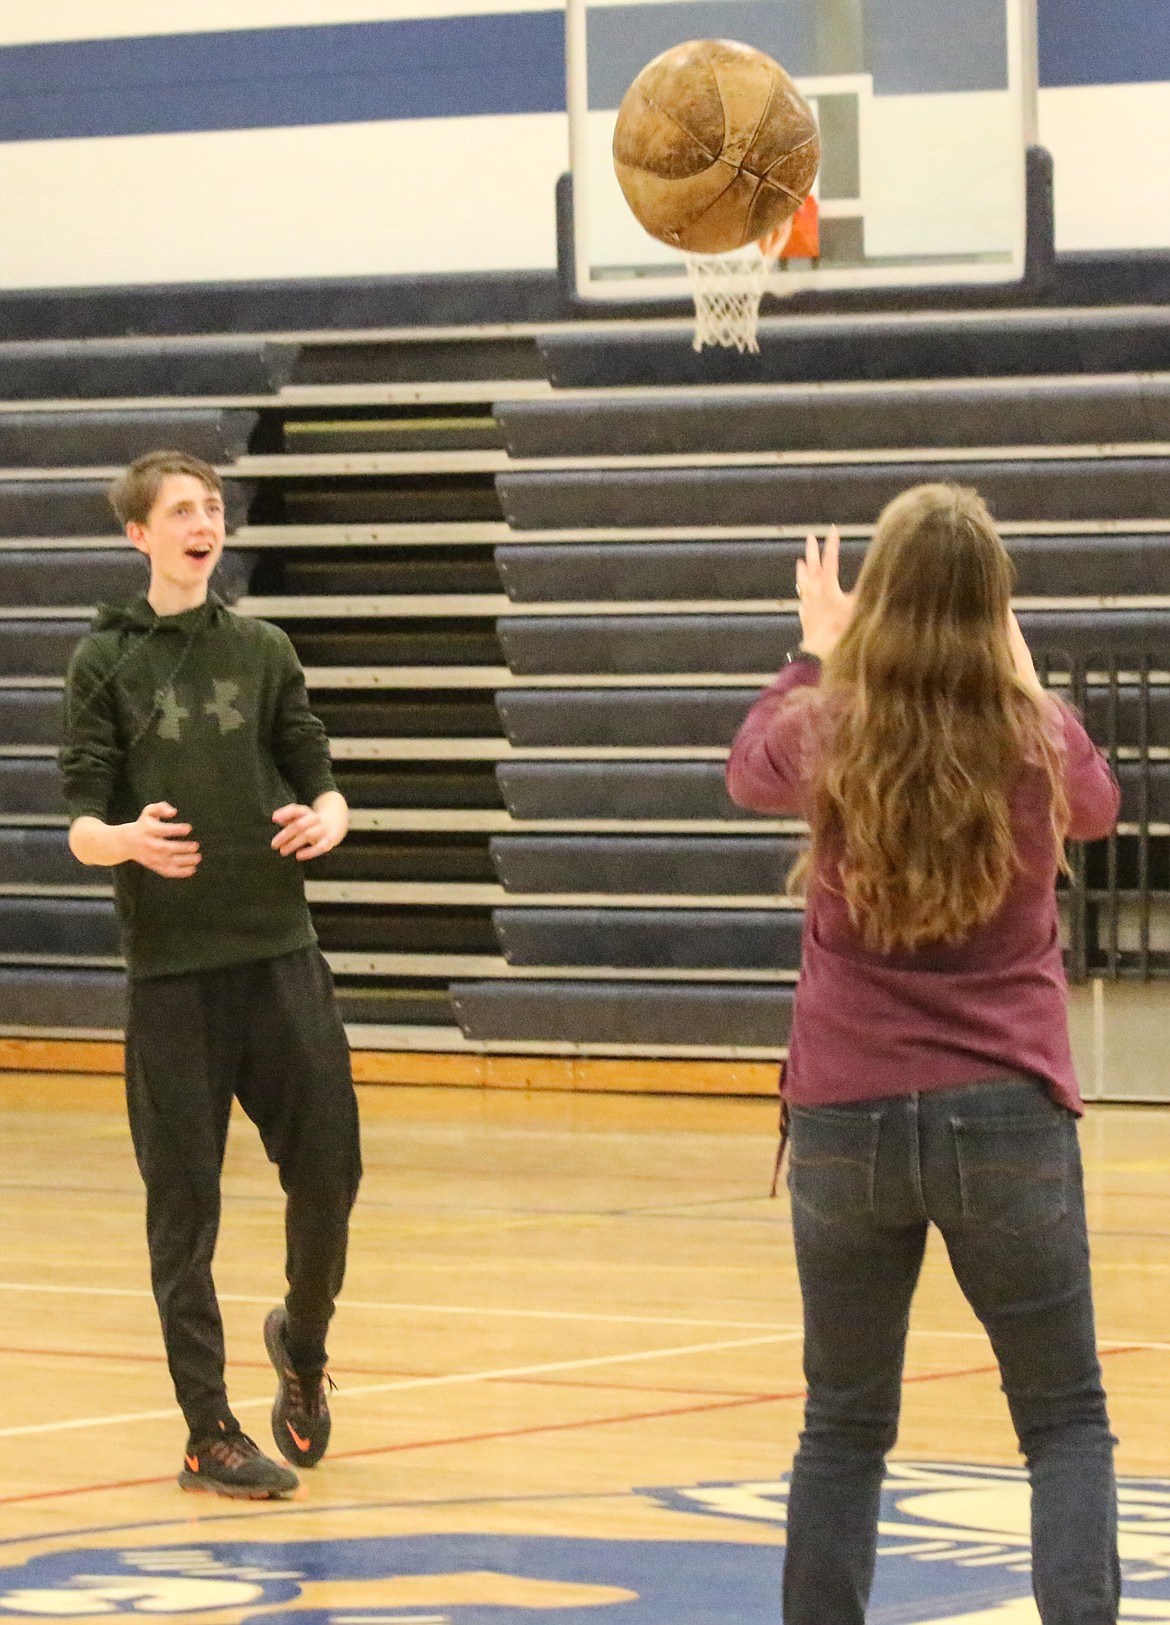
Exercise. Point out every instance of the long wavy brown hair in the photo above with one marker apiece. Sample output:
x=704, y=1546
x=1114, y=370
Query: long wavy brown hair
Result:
x=927, y=727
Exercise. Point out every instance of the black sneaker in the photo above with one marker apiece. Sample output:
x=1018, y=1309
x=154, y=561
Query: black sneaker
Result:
x=229, y=1463
x=300, y=1411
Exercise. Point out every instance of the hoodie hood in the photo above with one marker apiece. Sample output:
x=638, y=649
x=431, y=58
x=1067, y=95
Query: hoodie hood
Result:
x=138, y=616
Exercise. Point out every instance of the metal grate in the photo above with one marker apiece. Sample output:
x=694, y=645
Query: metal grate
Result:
x=1117, y=897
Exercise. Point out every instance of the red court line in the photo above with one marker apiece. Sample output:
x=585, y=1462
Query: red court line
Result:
x=82, y=1489
x=737, y=1403
x=455, y=1439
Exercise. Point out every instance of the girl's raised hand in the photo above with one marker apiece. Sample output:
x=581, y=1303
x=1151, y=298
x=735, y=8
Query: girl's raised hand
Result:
x=825, y=611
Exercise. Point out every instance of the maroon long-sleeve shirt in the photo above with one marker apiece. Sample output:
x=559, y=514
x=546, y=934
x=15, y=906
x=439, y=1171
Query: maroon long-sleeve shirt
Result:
x=867, y=1024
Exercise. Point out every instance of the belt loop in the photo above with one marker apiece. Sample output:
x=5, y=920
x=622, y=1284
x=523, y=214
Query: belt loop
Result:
x=916, y=1171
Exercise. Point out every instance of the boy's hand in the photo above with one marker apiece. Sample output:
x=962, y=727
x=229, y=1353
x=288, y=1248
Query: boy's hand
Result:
x=825, y=611
x=309, y=832
x=157, y=844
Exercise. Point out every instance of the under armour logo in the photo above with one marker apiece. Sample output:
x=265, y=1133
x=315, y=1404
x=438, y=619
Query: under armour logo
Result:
x=171, y=714
x=222, y=708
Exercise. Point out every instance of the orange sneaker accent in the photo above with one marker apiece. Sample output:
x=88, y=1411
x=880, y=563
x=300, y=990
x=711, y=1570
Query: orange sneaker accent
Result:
x=192, y=1463
x=301, y=1444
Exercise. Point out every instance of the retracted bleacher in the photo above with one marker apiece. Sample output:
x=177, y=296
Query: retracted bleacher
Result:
x=536, y=579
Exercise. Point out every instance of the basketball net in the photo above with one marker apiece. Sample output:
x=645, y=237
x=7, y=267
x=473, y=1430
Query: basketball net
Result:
x=727, y=288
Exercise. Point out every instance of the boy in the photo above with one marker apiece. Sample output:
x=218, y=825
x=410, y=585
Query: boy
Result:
x=188, y=736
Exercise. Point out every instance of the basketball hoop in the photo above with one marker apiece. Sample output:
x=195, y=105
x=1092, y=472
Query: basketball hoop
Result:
x=727, y=289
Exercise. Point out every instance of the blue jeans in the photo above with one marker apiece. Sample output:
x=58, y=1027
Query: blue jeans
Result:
x=997, y=1168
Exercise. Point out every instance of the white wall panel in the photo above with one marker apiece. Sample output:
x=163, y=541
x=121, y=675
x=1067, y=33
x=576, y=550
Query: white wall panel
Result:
x=426, y=195
x=1109, y=144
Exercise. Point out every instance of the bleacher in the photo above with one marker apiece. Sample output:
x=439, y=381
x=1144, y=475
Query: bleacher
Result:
x=535, y=576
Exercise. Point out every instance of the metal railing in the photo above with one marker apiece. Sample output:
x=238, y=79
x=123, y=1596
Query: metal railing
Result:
x=1116, y=902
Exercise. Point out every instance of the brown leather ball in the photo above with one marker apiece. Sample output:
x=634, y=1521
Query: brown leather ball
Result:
x=714, y=146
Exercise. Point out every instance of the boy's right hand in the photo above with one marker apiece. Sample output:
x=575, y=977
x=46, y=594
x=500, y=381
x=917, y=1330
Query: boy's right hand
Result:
x=157, y=844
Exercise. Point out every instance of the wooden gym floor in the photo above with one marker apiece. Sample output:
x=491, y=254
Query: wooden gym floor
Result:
x=568, y=1369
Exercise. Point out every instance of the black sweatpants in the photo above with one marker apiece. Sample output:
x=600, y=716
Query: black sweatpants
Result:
x=269, y=1034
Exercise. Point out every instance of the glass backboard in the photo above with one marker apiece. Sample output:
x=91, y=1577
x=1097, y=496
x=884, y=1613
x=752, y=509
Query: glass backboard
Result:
x=924, y=109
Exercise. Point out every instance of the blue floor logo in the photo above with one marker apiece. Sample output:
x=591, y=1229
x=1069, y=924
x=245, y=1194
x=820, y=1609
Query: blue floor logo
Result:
x=953, y=1544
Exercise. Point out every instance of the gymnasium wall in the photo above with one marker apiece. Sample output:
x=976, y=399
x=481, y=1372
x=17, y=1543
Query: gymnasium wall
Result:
x=156, y=141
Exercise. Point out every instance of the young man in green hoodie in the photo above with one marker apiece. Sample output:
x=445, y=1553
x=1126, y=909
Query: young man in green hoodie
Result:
x=195, y=769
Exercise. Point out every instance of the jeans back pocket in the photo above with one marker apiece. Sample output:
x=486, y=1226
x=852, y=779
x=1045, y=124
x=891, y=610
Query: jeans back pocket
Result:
x=1015, y=1172
x=832, y=1161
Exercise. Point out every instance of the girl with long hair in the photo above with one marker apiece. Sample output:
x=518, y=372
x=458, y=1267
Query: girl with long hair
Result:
x=929, y=1078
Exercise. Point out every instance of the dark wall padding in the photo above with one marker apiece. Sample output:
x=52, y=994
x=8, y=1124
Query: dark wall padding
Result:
x=1088, y=635
x=818, y=349
x=623, y=716
x=696, y=790
x=1035, y=412
x=679, y=939
x=1128, y=277
x=616, y=790
x=55, y=508
x=344, y=304
x=39, y=648
x=79, y=507
x=97, y=439
x=624, y=1012
x=595, y=572
x=63, y=369
x=71, y=577
x=637, y=644
x=711, y=716
x=848, y=494
x=67, y=577
x=37, y=997
x=41, y=857
x=679, y=865
x=31, y=787
x=59, y=925
x=30, y=716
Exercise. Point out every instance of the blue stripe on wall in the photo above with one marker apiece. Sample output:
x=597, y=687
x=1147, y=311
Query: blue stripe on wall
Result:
x=473, y=66
x=1104, y=42
x=426, y=67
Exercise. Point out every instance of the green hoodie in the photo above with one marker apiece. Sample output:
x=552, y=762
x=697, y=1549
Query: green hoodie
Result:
x=206, y=710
